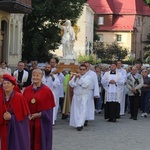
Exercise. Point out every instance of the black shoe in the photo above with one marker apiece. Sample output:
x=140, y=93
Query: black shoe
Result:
x=86, y=123
x=64, y=116
x=79, y=128
x=145, y=115
x=109, y=120
x=114, y=120
x=134, y=118
x=131, y=118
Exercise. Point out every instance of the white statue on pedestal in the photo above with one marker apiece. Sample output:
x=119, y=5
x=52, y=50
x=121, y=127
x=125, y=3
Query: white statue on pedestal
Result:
x=68, y=39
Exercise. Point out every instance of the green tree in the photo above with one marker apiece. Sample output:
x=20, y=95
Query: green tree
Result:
x=147, y=57
x=110, y=51
x=89, y=58
x=100, y=50
x=116, y=52
x=147, y=2
x=96, y=37
x=147, y=49
x=40, y=31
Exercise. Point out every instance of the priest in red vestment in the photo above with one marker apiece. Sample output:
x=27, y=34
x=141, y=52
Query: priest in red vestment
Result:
x=14, y=123
x=41, y=102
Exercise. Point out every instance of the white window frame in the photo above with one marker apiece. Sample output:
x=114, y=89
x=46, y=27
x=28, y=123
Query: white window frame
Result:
x=101, y=21
x=118, y=37
x=101, y=38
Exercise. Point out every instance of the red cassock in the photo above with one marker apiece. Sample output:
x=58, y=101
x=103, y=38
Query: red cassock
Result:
x=16, y=88
x=40, y=100
x=18, y=108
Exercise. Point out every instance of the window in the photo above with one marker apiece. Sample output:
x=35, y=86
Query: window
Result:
x=118, y=37
x=138, y=21
x=100, y=37
x=100, y=20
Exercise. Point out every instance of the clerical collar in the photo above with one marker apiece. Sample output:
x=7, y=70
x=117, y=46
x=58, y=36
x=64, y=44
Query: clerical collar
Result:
x=20, y=71
x=112, y=72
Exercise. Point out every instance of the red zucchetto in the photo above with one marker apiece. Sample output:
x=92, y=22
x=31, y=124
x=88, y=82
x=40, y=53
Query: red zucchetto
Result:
x=10, y=78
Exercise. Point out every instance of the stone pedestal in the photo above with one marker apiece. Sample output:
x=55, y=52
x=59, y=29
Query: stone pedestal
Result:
x=68, y=60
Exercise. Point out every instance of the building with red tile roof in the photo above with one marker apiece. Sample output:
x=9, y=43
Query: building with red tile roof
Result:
x=126, y=22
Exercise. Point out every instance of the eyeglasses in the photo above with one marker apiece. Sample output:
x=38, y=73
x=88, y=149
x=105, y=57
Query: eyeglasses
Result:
x=82, y=69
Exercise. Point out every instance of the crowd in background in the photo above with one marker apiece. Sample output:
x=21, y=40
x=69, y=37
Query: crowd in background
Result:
x=24, y=71
x=92, y=89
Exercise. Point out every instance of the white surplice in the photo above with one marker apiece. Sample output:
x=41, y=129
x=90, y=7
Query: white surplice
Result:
x=122, y=102
x=94, y=91
x=54, y=86
x=113, y=91
x=79, y=101
x=61, y=78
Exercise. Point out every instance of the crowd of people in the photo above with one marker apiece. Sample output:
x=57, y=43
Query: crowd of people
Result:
x=30, y=99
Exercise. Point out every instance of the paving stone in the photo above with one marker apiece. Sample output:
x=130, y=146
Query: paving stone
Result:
x=125, y=134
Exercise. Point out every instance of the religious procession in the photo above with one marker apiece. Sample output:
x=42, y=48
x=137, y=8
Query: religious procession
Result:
x=31, y=99
x=34, y=99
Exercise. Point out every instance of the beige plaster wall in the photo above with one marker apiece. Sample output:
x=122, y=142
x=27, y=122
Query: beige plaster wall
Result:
x=14, y=46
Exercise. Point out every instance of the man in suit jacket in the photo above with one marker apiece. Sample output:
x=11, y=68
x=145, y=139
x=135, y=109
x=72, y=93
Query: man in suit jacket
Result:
x=21, y=75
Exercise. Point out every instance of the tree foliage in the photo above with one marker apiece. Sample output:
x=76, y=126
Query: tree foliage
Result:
x=110, y=51
x=89, y=58
x=147, y=57
x=147, y=49
x=96, y=37
x=40, y=32
x=147, y=2
x=99, y=49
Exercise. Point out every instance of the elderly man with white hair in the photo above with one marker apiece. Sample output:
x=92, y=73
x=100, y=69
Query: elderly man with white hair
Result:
x=134, y=84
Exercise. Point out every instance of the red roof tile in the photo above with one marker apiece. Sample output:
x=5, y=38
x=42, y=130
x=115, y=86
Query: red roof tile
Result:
x=100, y=6
x=125, y=10
x=121, y=23
x=119, y=7
x=124, y=6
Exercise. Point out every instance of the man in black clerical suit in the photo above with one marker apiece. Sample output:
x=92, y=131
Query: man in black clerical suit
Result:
x=21, y=75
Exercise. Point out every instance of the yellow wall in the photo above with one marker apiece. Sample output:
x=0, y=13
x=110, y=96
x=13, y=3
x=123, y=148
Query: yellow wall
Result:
x=110, y=37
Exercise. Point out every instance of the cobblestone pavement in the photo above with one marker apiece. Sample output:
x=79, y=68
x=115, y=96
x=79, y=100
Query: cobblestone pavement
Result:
x=125, y=134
